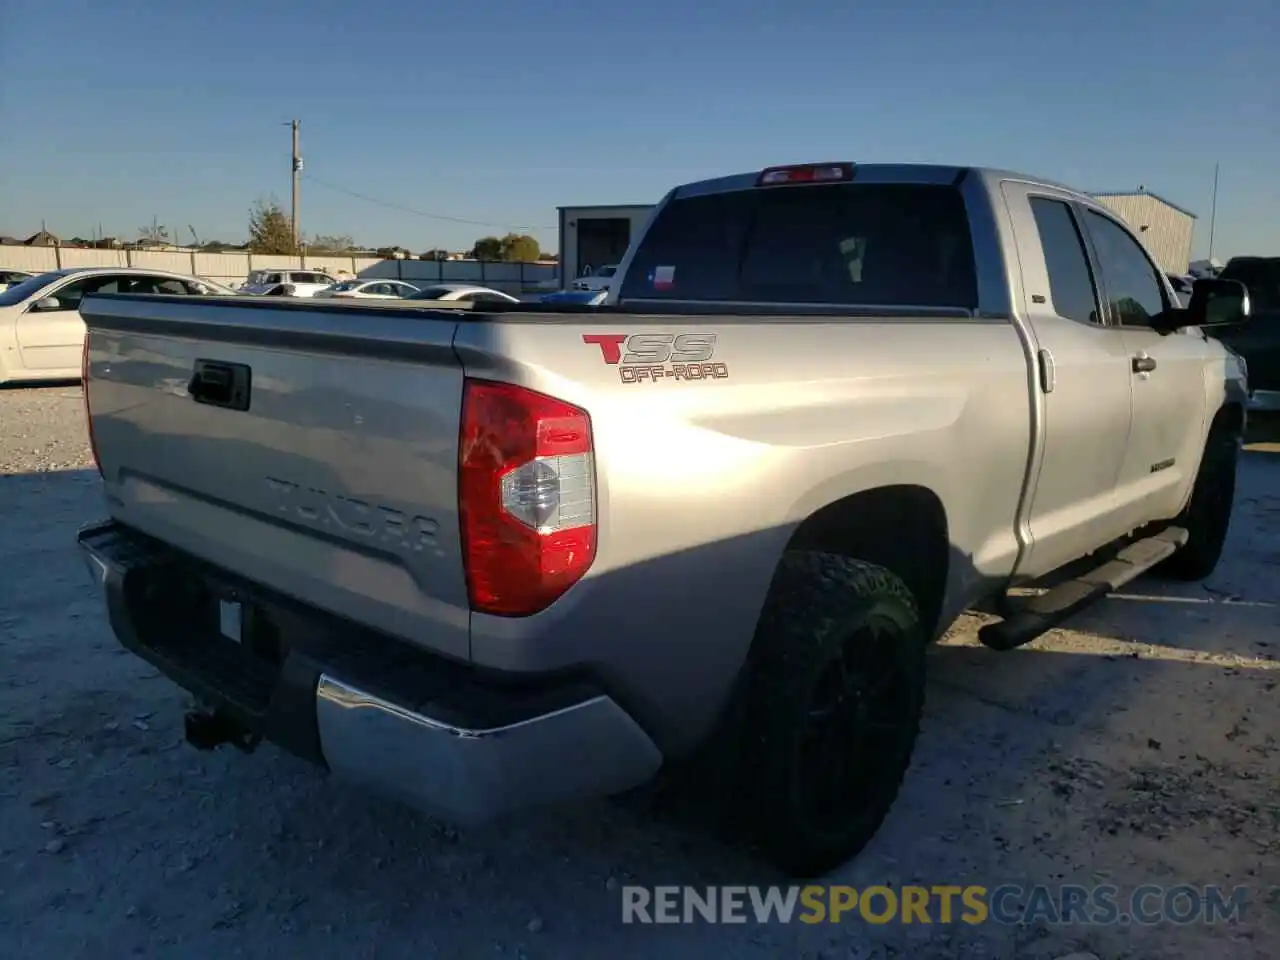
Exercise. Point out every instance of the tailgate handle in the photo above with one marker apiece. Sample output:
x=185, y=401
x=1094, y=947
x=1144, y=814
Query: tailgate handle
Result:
x=221, y=384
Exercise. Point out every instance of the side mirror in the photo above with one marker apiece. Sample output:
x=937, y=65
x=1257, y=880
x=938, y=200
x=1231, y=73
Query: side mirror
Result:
x=1217, y=303
x=1213, y=303
x=46, y=305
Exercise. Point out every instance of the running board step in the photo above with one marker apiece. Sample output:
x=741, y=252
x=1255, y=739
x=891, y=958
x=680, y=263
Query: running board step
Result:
x=1036, y=615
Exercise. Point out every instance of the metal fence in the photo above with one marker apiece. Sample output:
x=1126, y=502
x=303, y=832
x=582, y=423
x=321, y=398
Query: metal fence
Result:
x=232, y=268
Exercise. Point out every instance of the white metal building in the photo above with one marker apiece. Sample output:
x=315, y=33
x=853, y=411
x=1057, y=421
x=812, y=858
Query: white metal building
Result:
x=592, y=237
x=1164, y=228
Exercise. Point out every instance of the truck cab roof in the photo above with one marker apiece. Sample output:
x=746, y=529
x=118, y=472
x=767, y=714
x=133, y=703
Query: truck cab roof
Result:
x=924, y=173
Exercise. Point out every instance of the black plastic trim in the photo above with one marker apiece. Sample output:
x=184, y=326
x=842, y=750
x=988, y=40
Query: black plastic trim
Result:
x=163, y=604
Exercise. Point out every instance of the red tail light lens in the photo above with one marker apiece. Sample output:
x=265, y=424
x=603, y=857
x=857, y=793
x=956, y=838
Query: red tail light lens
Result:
x=805, y=173
x=84, y=389
x=526, y=496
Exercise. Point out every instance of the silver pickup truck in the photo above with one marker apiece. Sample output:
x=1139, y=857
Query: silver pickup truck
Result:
x=520, y=554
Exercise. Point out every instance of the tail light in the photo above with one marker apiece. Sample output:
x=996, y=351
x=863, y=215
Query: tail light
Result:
x=84, y=389
x=526, y=496
x=805, y=173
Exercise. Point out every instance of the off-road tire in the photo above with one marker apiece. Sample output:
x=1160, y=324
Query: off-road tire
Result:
x=1208, y=513
x=822, y=606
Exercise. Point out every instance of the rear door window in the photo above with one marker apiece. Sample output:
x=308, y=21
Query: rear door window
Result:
x=1070, y=277
x=897, y=245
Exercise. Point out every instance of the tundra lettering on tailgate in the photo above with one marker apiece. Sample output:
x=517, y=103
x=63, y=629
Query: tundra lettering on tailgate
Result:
x=655, y=357
x=359, y=518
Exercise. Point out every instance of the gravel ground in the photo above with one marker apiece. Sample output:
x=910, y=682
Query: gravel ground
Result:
x=1136, y=748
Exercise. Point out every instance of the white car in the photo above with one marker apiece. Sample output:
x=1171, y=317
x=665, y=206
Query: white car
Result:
x=368, y=290
x=9, y=277
x=587, y=298
x=463, y=293
x=599, y=279
x=212, y=288
x=41, y=333
x=299, y=283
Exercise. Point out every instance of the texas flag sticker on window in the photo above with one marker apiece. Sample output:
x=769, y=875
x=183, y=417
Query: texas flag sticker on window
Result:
x=664, y=278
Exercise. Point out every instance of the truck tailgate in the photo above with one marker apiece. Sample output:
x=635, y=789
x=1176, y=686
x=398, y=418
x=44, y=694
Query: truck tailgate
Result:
x=322, y=464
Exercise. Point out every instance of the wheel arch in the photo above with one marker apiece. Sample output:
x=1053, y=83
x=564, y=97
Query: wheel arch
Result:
x=1230, y=418
x=901, y=527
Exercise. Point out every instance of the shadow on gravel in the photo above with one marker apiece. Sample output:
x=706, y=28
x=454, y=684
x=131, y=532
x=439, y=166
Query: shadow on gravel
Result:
x=1034, y=765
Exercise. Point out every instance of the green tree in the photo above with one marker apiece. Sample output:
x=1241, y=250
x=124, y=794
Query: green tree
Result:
x=436, y=254
x=520, y=247
x=487, y=248
x=270, y=229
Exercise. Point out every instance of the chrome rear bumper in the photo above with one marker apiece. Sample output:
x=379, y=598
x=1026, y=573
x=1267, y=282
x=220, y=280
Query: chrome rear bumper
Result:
x=426, y=745
x=471, y=775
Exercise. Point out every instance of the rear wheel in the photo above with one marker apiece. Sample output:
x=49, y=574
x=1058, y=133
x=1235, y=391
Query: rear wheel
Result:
x=1207, y=515
x=835, y=696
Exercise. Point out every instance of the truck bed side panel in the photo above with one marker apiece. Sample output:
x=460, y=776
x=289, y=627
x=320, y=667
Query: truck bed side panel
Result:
x=337, y=486
x=701, y=482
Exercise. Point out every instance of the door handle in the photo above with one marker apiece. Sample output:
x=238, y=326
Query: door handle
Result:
x=1143, y=364
x=221, y=384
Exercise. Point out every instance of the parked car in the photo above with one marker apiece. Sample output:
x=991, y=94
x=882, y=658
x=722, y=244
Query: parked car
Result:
x=1258, y=341
x=591, y=298
x=1204, y=268
x=468, y=561
x=598, y=279
x=41, y=331
x=215, y=288
x=301, y=283
x=9, y=277
x=368, y=290
x=463, y=293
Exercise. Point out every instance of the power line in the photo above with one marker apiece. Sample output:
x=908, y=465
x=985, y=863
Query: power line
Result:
x=419, y=213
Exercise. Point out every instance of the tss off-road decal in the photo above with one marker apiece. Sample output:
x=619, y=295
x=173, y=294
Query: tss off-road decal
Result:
x=656, y=357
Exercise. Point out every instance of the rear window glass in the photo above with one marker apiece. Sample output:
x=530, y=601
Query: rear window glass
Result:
x=899, y=245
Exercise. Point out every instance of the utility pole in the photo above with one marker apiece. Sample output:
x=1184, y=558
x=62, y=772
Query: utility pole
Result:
x=297, y=176
x=1213, y=212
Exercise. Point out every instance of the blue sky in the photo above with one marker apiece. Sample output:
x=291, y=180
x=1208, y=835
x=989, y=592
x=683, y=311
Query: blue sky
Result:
x=113, y=113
